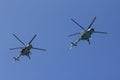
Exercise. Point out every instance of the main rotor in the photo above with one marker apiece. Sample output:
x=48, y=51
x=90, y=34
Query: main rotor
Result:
x=26, y=45
x=84, y=30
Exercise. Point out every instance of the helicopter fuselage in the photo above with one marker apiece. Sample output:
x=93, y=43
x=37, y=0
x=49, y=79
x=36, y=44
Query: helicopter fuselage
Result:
x=87, y=34
x=26, y=50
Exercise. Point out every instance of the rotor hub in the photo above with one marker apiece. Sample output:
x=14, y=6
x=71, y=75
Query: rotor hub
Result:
x=92, y=29
x=29, y=46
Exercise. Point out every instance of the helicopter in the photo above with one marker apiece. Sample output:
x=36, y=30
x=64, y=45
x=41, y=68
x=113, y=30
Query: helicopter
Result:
x=86, y=34
x=25, y=50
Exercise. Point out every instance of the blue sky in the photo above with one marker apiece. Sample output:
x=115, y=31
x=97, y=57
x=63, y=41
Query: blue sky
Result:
x=50, y=20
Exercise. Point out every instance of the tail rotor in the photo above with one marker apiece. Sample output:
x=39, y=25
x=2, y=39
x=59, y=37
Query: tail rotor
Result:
x=16, y=58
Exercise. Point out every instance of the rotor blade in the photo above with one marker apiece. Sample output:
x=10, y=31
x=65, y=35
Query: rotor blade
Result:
x=73, y=34
x=32, y=39
x=91, y=23
x=16, y=48
x=39, y=49
x=100, y=32
x=18, y=39
x=78, y=24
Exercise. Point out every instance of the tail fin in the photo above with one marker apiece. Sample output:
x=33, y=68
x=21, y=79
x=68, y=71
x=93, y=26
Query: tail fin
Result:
x=16, y=58
x=73, y=44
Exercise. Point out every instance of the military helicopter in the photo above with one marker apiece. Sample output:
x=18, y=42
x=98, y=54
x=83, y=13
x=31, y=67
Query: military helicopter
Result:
x=25, y=50
x=86, y=34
